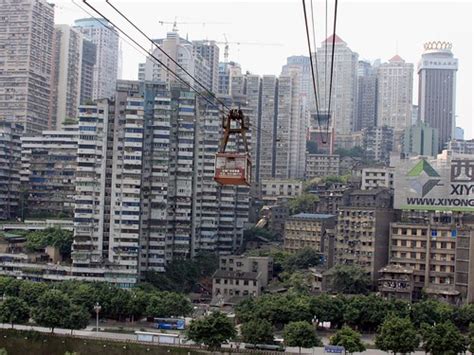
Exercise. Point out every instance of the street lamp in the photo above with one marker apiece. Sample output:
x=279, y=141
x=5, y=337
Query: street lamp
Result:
x=97, y=309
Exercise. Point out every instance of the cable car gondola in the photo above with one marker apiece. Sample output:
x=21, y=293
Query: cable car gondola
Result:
x=233, y=168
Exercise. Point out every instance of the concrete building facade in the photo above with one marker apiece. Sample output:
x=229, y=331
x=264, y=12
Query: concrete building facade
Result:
x=394, y=94
x=26, y=50
x=343, y=109
x=66, y=75
x=437, y=89
x=373, y=178
x=378, y=143
x=106, y=40
x=48, y=172
x=420, y=139
x=321, y=165
x=366, y=96
x=10, y=165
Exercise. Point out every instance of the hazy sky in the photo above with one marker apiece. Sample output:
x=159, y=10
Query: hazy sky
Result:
x=374, y=29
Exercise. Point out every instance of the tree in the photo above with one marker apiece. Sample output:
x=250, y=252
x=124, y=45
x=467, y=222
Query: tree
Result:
x=167, y=304
x=430, y=312
x=349, y=339
x=301, y=334
x=30, y=292
x=77, y=318
x=397, y=335
x=211, y=330
x=348, y=279
x=329, y=309
x=471, y=337
x=3, y=351
x=365, y=312
x=443, y=339
x=302, y=259
x=463, y=316
x=53, y=306
x=306, y=203
x=14, y=310
x=257, y=332
x=56, y=237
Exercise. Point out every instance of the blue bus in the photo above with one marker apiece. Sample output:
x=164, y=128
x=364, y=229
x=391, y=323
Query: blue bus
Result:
x=170, y=323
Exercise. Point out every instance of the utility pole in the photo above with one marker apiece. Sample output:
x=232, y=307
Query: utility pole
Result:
x=97, y=309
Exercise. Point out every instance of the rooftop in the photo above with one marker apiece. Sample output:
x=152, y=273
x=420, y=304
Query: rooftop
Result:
x=337, y=40
x=240, y=275
x=312, y=216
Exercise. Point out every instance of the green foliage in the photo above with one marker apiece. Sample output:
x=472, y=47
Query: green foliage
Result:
x=356, y=152
x=349, y=339
x=443, y=339
x=30, y=291
x=471, y=337
x=168, y=304
x=305, y=203
x=430, y=312
x=397, y=335
x=463, y=316
x=184, y=275
x=253, y=233
x=302, y=259
x=348, y=279
x=77, y=318
x=53, y=306
x=365, y=312
x=211, y=330
x=257, y=332
x=329, y=309
x=14, y=311
x=3, y=351
x=301, y=334
x=56, y=237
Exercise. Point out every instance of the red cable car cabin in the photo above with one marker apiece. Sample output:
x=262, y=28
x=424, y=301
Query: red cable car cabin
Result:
x=233, y=168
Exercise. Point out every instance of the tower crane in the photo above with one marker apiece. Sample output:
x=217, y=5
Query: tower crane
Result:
x=176, y=22
x=226, y=46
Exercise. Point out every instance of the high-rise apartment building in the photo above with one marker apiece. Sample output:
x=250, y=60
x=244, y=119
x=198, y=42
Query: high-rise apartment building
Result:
x=394, y=94
x=362, y=236
x=10, y=165
x=48, y=172
x=89, y=57
x=146, y=193
x=227, y=71
x=66, y=75
x=302, y=64
x=366, y=96
x=378, y=143
x=210, y=52
x=420, y=139
x=437, y=89
x=27, y=28
x=106, y=40
x=438, y=252
x=344, y=90
x=200, y=60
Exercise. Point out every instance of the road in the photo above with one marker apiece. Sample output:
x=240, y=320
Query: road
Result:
x=90, y=333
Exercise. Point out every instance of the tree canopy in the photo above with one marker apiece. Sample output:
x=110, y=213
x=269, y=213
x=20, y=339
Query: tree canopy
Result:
x=349, y=339
x=14, y=311
x=348, y=279
x=257, y=332
x=56, y=237
x=212, y=330
x=397, y=335
x=305, y=203
x=301, y=334
x=443, y=339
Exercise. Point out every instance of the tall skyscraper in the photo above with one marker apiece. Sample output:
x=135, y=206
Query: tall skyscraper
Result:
x=394, y=94
x=420, y=139
x=27, y=28
x=10, y=165
x=437, y=89
x=344, y=90
x=66, y=78
x=366, y=96
x=188, y=56
x=89, y=57
x=227, y=70
x=106, y=39
x=302, y=63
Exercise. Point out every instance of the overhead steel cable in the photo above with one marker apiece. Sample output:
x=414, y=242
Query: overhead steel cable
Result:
x=311, y=61
x=153, y=56
x=332, y=62
x=166, y=54
x=326, y=58
x=315, y=56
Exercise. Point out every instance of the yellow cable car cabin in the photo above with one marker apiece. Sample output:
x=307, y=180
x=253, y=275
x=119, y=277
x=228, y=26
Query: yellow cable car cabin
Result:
x=233, y=168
